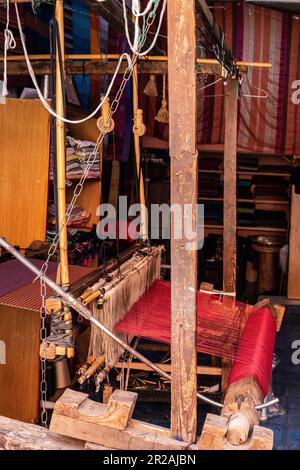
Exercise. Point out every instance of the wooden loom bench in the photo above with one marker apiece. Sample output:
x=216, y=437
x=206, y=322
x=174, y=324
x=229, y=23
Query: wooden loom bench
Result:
x=79, y=423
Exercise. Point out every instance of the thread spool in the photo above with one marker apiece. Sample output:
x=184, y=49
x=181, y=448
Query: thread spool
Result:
x=62, y=375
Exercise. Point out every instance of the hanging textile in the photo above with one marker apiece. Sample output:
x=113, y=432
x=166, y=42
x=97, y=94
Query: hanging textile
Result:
x=257, y=34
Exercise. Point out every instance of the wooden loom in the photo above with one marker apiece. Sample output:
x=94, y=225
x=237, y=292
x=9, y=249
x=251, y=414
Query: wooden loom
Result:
x=112, y=425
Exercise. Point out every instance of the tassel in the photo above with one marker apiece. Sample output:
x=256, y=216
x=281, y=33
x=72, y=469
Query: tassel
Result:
x=163, y=114
x=151, y=88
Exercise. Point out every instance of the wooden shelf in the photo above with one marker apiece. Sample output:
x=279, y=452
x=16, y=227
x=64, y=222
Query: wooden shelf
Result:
x=243, y=231
x=247, y=173
x=77, y=178
x=248, y=200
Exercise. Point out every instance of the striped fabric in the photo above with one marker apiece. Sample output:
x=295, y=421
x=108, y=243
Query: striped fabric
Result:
x=29, y=296
x=257, y=34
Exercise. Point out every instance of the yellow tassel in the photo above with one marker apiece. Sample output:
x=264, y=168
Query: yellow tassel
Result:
x=151, y=88
x=163, y=114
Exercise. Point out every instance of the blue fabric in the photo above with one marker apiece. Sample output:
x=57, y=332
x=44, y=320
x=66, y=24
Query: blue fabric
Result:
x=81, y=44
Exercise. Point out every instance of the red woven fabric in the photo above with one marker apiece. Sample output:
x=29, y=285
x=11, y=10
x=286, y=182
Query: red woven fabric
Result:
x=225, y=328
x=262, y=325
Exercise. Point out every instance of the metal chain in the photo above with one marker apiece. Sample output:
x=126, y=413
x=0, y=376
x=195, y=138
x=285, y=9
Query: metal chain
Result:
x=43, y=336
x=65, y=219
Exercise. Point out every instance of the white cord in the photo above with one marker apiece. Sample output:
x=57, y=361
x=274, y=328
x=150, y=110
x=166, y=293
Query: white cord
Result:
x=9, y=43
x=263, y=96
x=44, y=102
x=211, y=84
x=135, y=9
x=217, y=292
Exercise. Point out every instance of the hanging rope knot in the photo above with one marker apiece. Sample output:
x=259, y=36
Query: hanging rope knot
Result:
x=9, y=39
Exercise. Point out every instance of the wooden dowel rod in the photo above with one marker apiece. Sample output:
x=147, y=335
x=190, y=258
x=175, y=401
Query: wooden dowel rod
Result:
x=159, y=58
x=91, y=298
x=137, y=148
x=201, y=370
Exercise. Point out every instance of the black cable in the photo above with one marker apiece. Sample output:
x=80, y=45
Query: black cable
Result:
x=52, y=124
x=55, y=48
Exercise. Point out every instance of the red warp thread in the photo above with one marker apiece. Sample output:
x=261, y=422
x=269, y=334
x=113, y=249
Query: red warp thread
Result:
x=225, y=328
x=262, y=324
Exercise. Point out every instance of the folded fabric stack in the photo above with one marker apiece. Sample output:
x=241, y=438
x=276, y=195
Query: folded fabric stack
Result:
x=209, y=185
x=247, y=163
x=244, y=188
x=274, y=219
x=269, y=187
x=213, y=213
x=211, y=162
x=79, y=216
x=245, y=214
x=77, y=155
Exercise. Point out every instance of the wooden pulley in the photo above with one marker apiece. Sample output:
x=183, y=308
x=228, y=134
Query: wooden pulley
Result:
x=105, y=123
x=139, y=128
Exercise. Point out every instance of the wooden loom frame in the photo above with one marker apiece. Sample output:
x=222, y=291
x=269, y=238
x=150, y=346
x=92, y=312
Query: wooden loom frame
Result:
x=182, y=98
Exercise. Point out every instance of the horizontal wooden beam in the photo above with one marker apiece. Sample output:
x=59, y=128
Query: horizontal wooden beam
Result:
x=16, y=435
x=201, y=370
x=99, y=67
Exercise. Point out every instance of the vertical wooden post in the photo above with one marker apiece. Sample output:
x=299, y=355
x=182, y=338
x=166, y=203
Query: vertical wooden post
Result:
x=137, y=149
x=229, y=214
x=184, y=191
x=60, y=149
x=294, y=249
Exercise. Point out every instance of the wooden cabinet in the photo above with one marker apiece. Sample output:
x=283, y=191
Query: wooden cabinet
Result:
x=24, y=165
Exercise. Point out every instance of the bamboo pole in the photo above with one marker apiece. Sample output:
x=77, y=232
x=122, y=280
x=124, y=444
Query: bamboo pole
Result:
x=137, y=149
x=61, y=174
x=60, y=149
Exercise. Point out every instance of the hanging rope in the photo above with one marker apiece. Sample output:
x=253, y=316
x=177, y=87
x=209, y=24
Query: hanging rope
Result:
x=9, y=43
x=41, y=97
x=137, y=14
